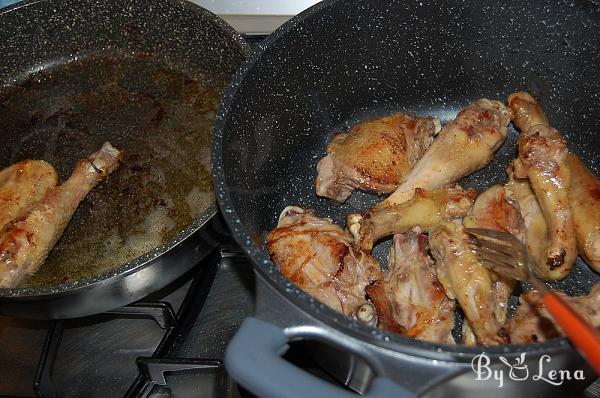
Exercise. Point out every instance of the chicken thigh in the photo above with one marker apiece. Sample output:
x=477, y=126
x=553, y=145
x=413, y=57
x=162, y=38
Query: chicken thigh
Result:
x=465, y=279
x=408, y=298
x=542, y=159
x=584, y=198
x=465, y=145
x=26, y=241
x=375, y=155
x=425, y=209
x=318, y=256
x=22, y=185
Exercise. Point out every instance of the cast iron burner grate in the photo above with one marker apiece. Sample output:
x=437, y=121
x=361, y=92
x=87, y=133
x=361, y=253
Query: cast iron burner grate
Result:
x=152, y=369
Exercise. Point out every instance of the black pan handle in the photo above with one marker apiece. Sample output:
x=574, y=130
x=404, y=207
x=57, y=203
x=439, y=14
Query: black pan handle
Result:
x=253, y=358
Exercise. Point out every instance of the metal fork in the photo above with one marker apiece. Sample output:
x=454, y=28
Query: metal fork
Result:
x=503, y=253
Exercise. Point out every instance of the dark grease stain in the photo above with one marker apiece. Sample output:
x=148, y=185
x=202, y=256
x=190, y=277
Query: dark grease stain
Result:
x=161, y=117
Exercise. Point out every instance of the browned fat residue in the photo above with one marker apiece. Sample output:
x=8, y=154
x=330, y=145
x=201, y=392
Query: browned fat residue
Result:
x=411, y=124
x=342, y=253
x=485, y=116
x=503, y=333
x=595, y=193
x=557, y=260
x=169, y=116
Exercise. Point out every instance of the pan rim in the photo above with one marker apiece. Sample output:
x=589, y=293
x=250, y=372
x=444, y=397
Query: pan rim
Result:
x=147, y=259
x=297, y=297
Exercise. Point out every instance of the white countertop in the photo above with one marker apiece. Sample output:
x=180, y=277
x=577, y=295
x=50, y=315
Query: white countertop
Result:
x=256, y=16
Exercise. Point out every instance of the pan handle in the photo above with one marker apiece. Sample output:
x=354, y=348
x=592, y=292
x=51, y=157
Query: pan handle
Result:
x=253, y=358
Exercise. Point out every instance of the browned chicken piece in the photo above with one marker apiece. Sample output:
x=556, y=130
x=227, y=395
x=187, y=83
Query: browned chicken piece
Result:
x=22, y=185
x=494, y=210
x=26, y=241
x=542, y=159
x=533, y=324
x=426, y=210
x=375, y=155
x=465, y=279
x=536, y=233
x=584, y=198
x=408, y=298
x=318, y=256
x=465, y=145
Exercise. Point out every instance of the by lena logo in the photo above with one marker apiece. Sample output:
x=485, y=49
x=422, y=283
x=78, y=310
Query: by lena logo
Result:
x=519, y=370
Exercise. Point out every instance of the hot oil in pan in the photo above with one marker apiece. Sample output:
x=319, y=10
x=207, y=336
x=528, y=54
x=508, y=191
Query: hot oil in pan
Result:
x=161, y=117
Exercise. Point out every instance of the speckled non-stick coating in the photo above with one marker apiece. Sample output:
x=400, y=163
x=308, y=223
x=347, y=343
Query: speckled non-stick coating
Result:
x=49, y=35
x=345, y=60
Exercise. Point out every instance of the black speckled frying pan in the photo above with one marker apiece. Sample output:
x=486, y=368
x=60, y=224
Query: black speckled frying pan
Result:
x=344, y=60
x=146, y=76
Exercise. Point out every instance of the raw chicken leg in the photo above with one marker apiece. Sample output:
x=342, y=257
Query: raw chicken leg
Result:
x=26, y=242
x=408, y=298
x=375, y=155
x=318, y=256
x=22, y=185
x=542, y=159
x=465, y=145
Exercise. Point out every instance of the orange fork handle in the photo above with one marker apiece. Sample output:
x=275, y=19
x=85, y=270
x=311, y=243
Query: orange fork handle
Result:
x=584, y=336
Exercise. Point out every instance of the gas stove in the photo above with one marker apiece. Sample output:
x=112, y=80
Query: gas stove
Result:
x=170, y=344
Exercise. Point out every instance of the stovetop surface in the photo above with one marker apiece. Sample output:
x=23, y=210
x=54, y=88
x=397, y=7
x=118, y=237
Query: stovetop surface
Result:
x=97, y=355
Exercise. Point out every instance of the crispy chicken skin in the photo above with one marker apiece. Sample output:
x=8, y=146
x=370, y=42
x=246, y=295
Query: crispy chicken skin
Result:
x=318, y=256
x=533, y=324
x=465, y=145
x=542, y=159
x=408, y=298
x=425, y=209
x=22, y=185
x=584, y=197
x=494, y=210
x=375, y=155
x=26, y=241
x=465, y=279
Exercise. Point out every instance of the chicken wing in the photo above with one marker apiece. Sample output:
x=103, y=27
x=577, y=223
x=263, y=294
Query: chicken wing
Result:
x=465, y=145
x=465, y=279
x=318, y=256
x=26, y=241
x=408, y=298
x=584, y=198
x=542, y=159
x=22, y=185
x=493, y=210
x=375, y=155
x=533, y=324
x=426, y=210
